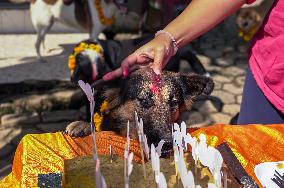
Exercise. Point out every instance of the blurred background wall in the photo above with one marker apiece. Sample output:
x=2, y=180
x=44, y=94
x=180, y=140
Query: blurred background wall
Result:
x=15, y=18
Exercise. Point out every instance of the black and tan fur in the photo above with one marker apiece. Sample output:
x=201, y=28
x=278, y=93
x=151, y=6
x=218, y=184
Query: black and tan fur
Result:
x=159, y=101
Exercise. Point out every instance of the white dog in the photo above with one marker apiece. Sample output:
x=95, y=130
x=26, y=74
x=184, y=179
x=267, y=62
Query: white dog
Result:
x=87, y=15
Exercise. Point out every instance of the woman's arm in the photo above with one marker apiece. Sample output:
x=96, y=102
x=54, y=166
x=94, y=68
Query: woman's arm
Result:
x=199, y=17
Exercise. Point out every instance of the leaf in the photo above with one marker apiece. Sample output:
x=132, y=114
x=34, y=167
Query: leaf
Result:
x=211, y=185
x=180, y=137
x=162, y=181
x=190, y=179
x=194, y=149
x=155, y=160
x=177, y=136
x=87, y=90
x=204, y=155
x=100, y=180
x=104, y=185
x=186, y=176
x=130, y=164
x=142, y=137
x=146, y=147
x=187, y=140
x=125, y=153
x=159, y=147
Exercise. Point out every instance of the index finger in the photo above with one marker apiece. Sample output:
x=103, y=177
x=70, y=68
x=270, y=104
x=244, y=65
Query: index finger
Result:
x=126, y=63
x=113, y=74
x=129, y=61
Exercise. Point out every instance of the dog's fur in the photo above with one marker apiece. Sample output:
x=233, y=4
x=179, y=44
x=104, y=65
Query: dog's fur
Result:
x=79, y=14
x=158, y=100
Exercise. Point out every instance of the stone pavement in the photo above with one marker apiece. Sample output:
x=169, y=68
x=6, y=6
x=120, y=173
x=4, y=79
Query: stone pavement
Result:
x=221, y=51
x=18, y=60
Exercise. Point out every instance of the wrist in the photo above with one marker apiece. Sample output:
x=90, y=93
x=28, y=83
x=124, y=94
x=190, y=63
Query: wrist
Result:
x=170, y=37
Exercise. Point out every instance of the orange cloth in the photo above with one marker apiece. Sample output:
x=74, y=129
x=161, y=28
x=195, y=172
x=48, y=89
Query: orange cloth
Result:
x=251, y=144
x=45, y=153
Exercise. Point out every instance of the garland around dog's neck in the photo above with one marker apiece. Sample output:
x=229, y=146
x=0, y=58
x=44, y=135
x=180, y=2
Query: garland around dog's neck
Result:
x=246, y=36
x=103, y=19
x=81, y=47
x=98, y=116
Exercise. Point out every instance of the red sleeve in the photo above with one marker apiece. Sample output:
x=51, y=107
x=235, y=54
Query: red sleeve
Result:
x=250, y=1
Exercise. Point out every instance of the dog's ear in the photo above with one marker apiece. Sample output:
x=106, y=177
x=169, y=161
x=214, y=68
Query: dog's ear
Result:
x=193, y=85
x=113, y=98
x=257, y=16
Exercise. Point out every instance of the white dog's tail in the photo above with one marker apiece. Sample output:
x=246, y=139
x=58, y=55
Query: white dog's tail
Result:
x=19, y=1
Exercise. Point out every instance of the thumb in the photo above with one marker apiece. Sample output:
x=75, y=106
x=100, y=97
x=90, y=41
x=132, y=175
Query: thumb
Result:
x=159, y=54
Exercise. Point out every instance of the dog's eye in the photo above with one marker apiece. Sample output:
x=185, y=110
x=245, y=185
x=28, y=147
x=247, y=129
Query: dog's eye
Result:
x=146, y=101
x=173, y=102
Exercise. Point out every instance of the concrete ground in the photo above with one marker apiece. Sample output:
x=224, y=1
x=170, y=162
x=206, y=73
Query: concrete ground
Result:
x=220, y=51
x=18, y=60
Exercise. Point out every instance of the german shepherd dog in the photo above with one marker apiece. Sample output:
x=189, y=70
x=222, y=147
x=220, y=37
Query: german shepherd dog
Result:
x=158, y=103
x=158, y=99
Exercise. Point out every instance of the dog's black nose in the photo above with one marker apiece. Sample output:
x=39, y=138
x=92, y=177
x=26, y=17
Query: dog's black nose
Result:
x=245, y=24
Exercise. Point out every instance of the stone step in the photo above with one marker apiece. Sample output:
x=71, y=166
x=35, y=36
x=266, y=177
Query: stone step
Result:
x=5, y=169
x=60, y=116
x=7, y=135
x=56, y=100
x=17, y=120
x=30, y=119
x=8, y=89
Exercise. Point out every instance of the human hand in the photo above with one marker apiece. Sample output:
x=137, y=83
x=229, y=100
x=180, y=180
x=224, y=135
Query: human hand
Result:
x=155, y=54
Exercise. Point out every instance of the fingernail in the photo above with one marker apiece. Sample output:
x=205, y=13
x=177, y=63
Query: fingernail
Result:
x=125, y=72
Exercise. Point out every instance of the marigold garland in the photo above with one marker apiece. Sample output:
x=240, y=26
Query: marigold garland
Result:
x=103, y=19
x=98, y=117
x=81, y=47
x=247, y=36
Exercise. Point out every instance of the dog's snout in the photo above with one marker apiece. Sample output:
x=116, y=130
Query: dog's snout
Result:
x=245, y=24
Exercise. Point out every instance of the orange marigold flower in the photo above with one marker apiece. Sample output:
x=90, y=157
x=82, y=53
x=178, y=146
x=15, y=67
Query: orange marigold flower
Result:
x=98, y=122
x=103, y=107
x=71, y=62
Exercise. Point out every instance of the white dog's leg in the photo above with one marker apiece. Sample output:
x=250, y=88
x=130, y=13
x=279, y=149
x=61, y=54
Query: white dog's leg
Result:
x=96, y=26
x=109, y=9
x=46, y=31
x=42, y=30
x=42, y=20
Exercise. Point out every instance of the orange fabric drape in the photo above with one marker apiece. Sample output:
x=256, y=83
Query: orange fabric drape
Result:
x=45, y=153
x=251, y=144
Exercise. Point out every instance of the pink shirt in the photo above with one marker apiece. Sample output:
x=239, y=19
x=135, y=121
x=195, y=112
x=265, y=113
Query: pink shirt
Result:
x=266, y=55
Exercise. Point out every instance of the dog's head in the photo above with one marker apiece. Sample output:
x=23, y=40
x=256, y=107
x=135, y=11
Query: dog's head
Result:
x=248, y=21
x=87, y=62
x=158, y=100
